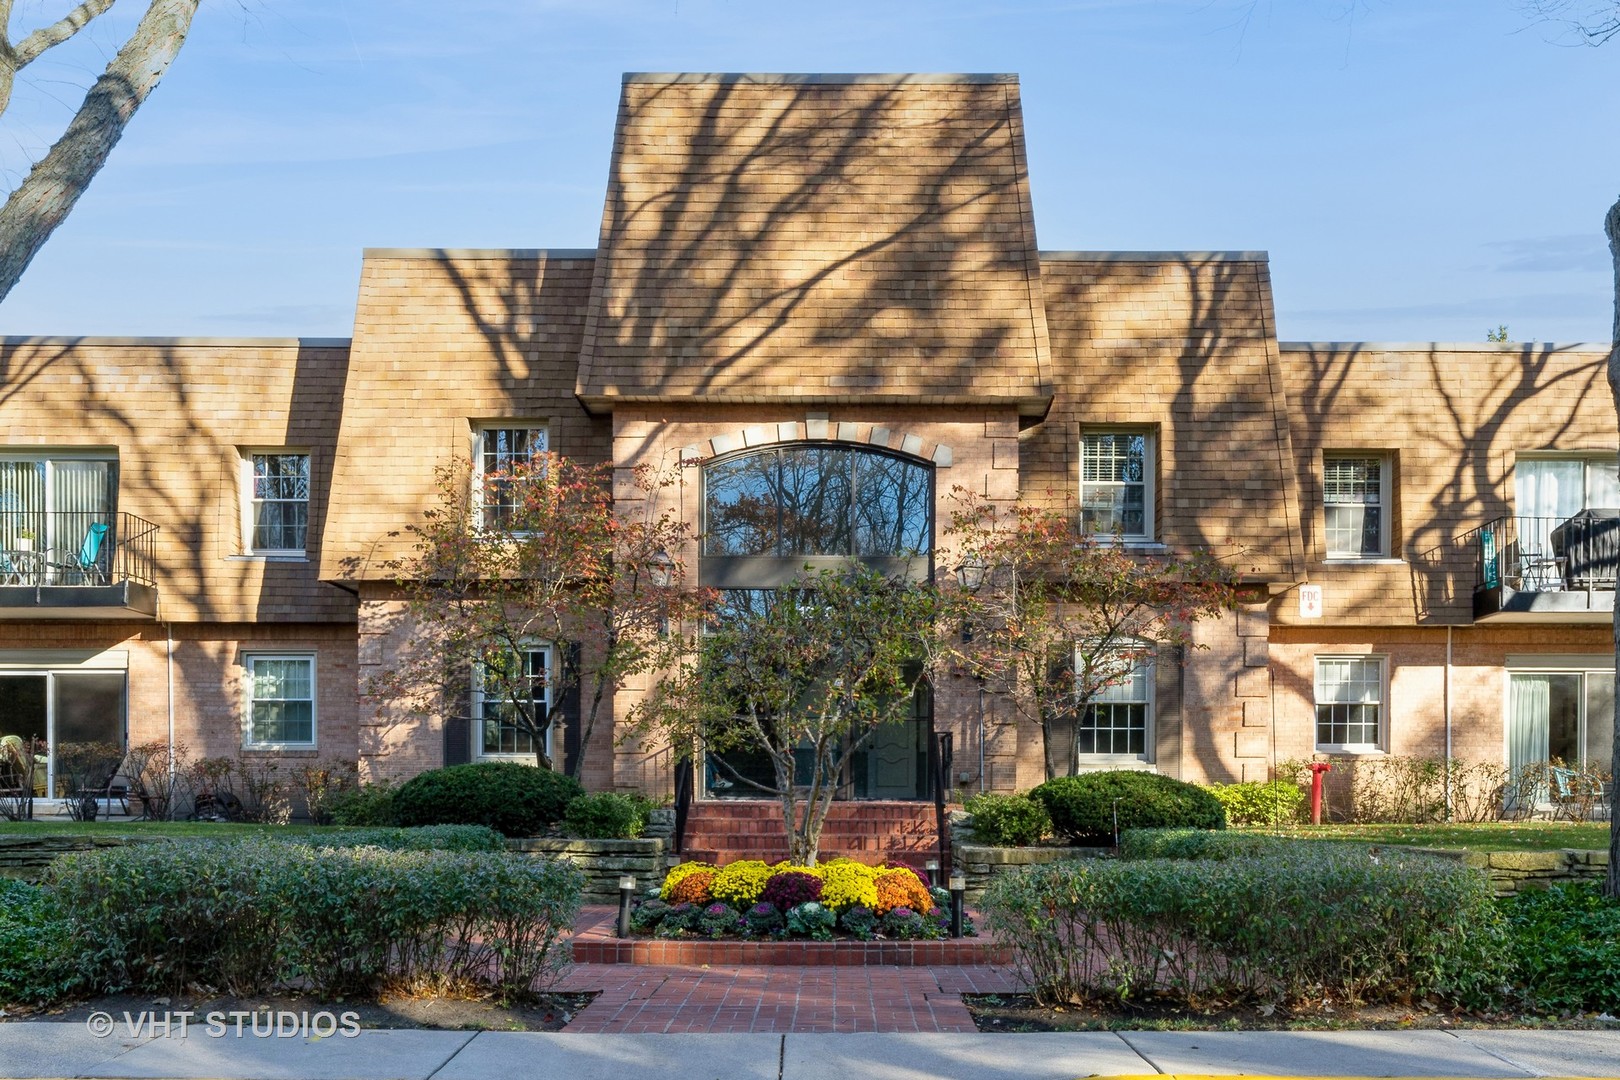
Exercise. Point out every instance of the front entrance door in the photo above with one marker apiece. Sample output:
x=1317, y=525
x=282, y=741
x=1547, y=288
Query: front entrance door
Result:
x=892, y=764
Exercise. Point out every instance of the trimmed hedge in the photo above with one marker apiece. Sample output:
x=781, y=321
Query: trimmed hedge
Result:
x=1285, y=926
x=369, y=805
x=256, y=916
x=512, y=798
x=34, y=962
x=1206, y=844
x=419, y=838
x=1083, y=807
x=1566, y=948
x=1275, y=803
x=1007, y=820
x=606, y=815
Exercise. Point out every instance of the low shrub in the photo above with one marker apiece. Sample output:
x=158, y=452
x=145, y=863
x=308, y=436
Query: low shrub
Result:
x=1083, y=808
x=605, y=815
x=419, y=838
x=255, y=916
x=1275, y=803
x=1202, y=844
x=35, y=966
x=1311, y=921
x=1566, y=948
x=1007, y=820
x=369, y=806
x=512, y=798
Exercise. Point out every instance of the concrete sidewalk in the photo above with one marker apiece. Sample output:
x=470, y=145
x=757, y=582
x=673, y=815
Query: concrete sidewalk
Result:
x=40, y=1049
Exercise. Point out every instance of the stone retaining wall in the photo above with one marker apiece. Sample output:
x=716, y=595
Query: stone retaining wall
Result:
x=979, y=863
x=604, y=862
x=1515, y=871
x=26, y=857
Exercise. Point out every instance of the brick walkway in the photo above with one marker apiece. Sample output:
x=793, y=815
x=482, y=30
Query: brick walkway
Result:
x=633, y=998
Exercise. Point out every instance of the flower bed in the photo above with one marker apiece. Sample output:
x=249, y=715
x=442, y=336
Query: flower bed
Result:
x=750, y=899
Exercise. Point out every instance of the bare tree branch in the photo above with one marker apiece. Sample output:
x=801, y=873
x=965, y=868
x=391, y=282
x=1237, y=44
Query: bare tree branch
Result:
x=14, y=58
x=57, y=180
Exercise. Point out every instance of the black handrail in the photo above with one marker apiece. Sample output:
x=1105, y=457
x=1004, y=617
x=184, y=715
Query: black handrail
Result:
x=940, y=753
x=46, y=547
x=684, y=772
x=1540, y=554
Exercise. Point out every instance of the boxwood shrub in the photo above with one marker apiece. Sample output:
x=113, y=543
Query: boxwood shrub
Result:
x=369, y=805
x=606, y=815
x=1204, y=844
x=510, y=797
x=1007, y=820
x=1276, y=803
x=1301, y=923
x=256, y=915
x=1082, y=807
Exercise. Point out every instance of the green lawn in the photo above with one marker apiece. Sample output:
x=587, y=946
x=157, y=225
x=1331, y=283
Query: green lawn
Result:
x=1484, y=836
x=66, y=827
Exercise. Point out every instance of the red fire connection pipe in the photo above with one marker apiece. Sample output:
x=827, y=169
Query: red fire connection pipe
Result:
x=1317, y=769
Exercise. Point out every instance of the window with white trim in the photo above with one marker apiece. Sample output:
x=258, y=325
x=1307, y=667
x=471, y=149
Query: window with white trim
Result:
x=1355, y=502
x=275, y=505
x=280, y=700
x=1349, y=703
x=1118, y=721
x=502, y=450
x=499, y=683
x=1116, y=484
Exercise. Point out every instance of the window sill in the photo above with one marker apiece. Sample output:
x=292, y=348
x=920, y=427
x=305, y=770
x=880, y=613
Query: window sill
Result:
x=279, y=748
x=271, y=556
x=1129, y=543
x=1353, y=751
x=1349, y=560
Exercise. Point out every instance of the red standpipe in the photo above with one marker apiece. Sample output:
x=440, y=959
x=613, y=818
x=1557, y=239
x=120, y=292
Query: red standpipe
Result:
x=1317, y=769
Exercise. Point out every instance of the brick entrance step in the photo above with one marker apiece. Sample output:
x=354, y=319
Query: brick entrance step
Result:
x=595, y=942
x=725, y=830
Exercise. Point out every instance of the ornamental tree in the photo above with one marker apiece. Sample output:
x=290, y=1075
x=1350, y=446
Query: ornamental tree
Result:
x=1051, y=616
x=805, y=674
x=538, y=558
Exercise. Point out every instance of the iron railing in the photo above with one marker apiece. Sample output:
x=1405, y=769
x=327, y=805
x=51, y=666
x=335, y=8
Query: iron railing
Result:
x=70, y=547
x=1547, y=554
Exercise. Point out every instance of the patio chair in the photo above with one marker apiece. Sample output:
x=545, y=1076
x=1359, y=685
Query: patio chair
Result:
x=1576, y=795
x=87, y=565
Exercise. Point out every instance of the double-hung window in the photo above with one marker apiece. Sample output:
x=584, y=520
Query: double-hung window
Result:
x=1118, y=721
x=1116, y=484
x=1349, y=703
x=280, y=700
x=1355, y=503
x=503, y=454
x=276, y=509
x=511, y=699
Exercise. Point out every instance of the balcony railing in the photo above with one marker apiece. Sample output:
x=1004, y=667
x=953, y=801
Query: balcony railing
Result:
x=1546, y=565
x=79, y=560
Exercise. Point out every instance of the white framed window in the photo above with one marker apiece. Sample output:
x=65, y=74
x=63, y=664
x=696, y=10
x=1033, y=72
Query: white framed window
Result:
x=499, y=449
x=1118, y=721
x=1355, y=505
x=280, y=700
x=1116, y=484
x=1350, y=704
x=275, y=502
x=499, y=680
x=1549, y=489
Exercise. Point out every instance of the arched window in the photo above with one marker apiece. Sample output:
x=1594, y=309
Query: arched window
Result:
x=770, y=512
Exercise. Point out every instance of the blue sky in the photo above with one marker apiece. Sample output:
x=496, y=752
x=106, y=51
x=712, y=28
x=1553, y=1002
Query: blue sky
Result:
x=1418, y=169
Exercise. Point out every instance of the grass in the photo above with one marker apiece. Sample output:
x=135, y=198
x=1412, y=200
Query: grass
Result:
x=65, y=827
x=1480, y=836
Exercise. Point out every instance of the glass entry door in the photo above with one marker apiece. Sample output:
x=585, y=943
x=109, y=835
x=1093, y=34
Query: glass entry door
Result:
x=66, y=710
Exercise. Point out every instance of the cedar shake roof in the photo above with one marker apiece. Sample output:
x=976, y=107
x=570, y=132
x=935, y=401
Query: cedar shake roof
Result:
x=1181, y=344
x=815, y=239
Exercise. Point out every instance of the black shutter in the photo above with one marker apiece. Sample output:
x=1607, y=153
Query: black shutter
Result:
x=570, y=716
x=457, y=740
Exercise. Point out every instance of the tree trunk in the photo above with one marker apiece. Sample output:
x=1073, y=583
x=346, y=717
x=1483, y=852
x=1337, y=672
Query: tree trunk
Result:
x=1611, y=226
x=42, y=201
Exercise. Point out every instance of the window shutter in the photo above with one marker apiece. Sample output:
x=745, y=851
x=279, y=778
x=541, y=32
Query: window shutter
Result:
x=570, y=715
x=458, y=726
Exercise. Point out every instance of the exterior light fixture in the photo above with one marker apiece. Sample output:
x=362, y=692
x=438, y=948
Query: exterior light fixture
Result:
x=958, y=892
x=661, y=568
x=970, y=573
x=627, y=887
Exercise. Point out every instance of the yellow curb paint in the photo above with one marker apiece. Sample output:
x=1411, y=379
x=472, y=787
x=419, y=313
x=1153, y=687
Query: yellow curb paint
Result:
x=1228, y=1076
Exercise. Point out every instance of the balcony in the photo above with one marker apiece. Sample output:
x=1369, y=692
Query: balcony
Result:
x=77, y=565
x=1549, y=570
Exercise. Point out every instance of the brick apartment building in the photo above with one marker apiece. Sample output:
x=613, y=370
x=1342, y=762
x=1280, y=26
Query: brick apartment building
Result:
x=829, y=274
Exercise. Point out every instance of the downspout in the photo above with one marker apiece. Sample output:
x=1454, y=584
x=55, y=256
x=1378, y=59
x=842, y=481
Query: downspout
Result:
x=168, y=671
x=1446, y=696
x=981, y=738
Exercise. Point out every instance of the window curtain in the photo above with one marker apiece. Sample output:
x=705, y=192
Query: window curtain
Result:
x=1546, y=492
x=22, y=501
x=81, y=495
x=1529, y=709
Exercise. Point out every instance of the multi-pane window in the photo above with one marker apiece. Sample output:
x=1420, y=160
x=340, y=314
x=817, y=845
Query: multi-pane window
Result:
x=503, y=452
x=1116, y=484
x=281, y=700
x=1117, y=721
x=1349, y=702
x=278, y=502
x=1354, y=495
x=506, y=686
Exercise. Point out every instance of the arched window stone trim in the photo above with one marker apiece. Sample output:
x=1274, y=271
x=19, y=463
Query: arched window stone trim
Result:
x=843, y=431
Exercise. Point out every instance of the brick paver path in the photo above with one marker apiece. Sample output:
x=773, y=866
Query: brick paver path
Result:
x=632, y=998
